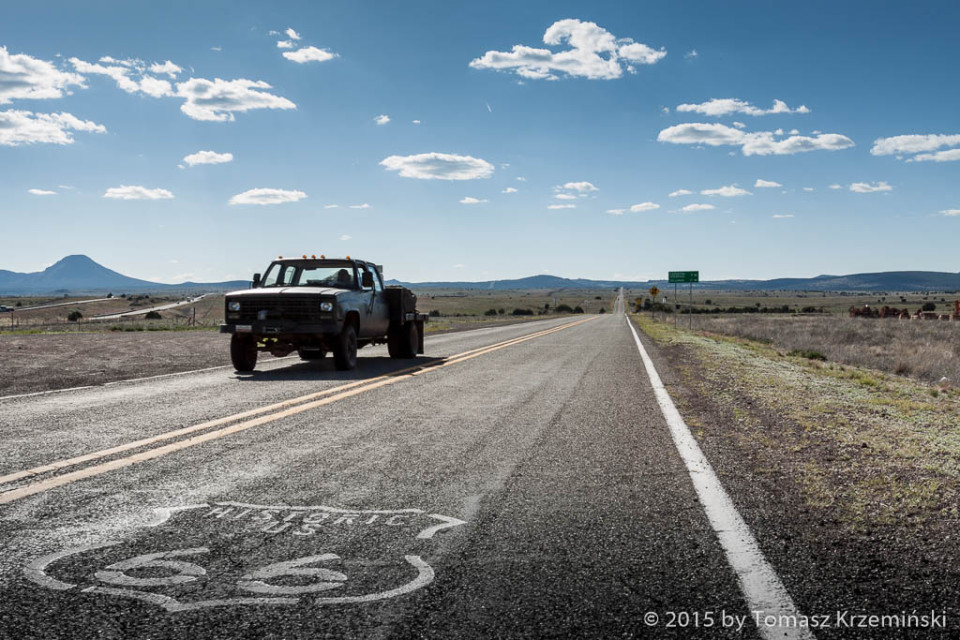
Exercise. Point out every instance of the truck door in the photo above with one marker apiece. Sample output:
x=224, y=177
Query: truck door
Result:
x=378, y=312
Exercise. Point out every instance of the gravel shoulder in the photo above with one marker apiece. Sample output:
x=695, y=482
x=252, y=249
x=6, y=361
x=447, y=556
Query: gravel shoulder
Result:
x=850, y=478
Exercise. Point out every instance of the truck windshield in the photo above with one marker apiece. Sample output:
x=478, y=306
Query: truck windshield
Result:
x=288, y=275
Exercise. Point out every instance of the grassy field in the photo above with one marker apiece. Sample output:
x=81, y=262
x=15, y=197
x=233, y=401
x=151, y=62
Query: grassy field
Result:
x=451, y=309
x=865, y=448
x=926, y=350
x=830, y=302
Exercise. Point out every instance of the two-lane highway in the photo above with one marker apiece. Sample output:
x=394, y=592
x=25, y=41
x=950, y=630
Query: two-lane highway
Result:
x=521, y=481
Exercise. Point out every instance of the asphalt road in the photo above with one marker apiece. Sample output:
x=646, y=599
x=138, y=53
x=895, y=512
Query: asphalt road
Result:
x=521, y=483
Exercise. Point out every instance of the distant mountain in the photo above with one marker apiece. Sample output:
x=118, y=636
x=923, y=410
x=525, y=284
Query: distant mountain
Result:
x=79, y=274
x=883, y=281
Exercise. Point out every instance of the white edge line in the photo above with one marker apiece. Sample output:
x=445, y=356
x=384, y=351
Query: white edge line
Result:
x=761, y=587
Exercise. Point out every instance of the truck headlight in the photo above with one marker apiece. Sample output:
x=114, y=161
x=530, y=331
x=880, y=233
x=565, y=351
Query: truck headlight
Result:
x=326, y=306
x=233, y=306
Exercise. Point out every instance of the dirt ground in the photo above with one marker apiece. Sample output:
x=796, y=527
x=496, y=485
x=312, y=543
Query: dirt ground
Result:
x=33, y=362
x=844, y=474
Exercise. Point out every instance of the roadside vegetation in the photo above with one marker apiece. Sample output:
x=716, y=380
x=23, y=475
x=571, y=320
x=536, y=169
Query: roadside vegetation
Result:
x=865, y=448
x=926, y=350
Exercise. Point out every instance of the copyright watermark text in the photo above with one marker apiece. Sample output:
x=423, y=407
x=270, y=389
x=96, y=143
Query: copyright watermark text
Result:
x=928, y=619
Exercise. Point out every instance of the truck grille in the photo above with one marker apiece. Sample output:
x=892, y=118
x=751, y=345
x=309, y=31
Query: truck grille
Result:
x=279, y=309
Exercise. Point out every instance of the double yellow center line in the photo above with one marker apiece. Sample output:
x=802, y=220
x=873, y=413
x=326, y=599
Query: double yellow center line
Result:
x=237, y=422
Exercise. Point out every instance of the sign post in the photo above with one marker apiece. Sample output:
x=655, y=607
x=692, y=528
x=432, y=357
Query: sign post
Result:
x=688, y=277
x=653, y=294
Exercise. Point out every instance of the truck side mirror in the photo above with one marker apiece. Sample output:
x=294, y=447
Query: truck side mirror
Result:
x=366, y=280
x=256, y=280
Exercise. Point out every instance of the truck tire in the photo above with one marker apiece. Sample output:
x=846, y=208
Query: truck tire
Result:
x=311, y=354
x=345, y=349
x=403, y=341
x=243, y=352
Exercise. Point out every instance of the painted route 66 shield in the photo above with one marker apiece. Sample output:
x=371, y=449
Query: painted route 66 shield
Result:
x=229, y=554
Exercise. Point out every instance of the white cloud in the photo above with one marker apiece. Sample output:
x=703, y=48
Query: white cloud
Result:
x=293, y=35
x=911, y=144
x=521, y=179
x=345, y=237
x=808, y=189
x=167, y=67
x=738, y=124
x=509, y=190
x=267, y=196
x=760, y=143
x=562, y=206
x=643, y=206
x=729, y=191
x=26, y=127
x=382, y=119
x=438, y=166
x=593, y=53
x=951, y=212
x=691, y=208
x=616, y=212
x=579, y=186
x=765, y=184
x=565, y=196
x=726, y=106
x=284, y=44
x=360, y=206
x=217, y=100
x=471, y=200
x=680, y=192
x=120, y=72
x=136, y=192
x=947, y=155
x=415, y=121
x=867, y=187
x=331, y=206
x=782, y=215
x=459, y=266
x=41, y=192
x=155, y=87
x=836, y=187
x=25, y=77
x=690, y=55
x=309, y=54
x=207, y=157
x=218, y=49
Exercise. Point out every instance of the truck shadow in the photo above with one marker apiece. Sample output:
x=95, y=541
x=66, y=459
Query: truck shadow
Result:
x=367, y=368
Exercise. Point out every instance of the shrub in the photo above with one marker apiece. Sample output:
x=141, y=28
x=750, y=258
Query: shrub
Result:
x=929, y=306
x=490, y=312
x=501, y=311
x=809, y=354
x=597, y=298
x=152, y=315
x=564, y=308
x=523, y=312
x=435, y=313
x=602, y=310
x=74, y=315
x=578, y=309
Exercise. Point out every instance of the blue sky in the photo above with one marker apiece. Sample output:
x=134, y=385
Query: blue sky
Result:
x=175, y=141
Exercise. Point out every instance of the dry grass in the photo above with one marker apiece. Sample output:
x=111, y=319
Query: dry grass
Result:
x=926, y=350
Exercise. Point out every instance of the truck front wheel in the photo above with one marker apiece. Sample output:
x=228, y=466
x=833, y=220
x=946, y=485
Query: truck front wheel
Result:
x=345, y=349
x=243, y=352
x=403, y=341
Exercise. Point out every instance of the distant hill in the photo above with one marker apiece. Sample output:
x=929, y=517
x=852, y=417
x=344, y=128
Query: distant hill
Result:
x=883, y=281
x=79, y=274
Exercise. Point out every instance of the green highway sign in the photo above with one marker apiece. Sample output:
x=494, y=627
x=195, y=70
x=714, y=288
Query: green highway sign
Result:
x=684, y=276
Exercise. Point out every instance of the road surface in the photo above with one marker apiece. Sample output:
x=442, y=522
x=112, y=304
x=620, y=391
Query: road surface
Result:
x=140, y=312
x=520, y=481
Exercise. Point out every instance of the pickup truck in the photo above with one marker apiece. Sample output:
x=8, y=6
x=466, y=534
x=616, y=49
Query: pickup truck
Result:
x=318, y=305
